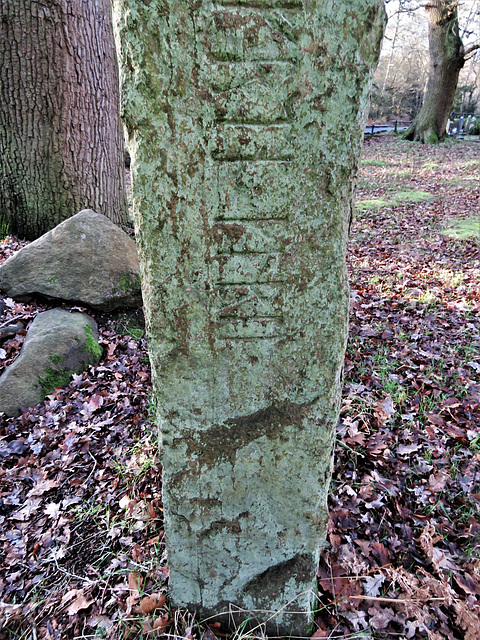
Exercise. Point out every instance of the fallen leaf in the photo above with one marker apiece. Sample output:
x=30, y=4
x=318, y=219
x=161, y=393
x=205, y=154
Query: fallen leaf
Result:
x=372, y=584
x=42, y=487
x=152, y=602
x=124, y=502
x=467, y=583
x=30, y=506
x=135, y=582
x=78, y=604
x=53, y=510
x=380, y=552
x=103, y=622
x=384, y=409
x=381, y=617
x=96, y=402
x=406, y=449
x=436, y=483
x=10, y=612
x=161, y=622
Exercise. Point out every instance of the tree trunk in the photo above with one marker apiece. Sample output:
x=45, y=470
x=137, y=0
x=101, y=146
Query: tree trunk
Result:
x=245, y=121
x=61, y=140
x=447, y=58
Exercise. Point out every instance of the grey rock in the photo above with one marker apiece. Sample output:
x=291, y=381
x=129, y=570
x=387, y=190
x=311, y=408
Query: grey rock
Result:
x=87, y=259
x=57, y=344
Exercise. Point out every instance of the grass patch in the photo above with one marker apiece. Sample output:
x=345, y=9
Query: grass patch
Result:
x=465, y=180
x=464, y=229
x=470, y=164
x=371, y=162
x=131, y=324
x=413, y=196
x=4, y=228
x=374, y=203
x=400, y=196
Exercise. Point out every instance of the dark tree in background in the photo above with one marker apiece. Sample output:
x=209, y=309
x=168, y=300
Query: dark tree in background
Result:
x=61, y=141
x=447, y=57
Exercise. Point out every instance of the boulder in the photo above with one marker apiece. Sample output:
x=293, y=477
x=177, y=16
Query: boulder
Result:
x=57, y=345
x=86, y=259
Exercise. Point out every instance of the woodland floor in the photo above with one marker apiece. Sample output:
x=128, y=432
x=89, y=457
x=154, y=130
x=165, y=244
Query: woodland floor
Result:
x=81, y=539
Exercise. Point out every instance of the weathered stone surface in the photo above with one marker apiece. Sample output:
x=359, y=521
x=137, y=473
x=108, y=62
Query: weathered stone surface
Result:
x=87, y=259
x=57, y=344
x=245, y=120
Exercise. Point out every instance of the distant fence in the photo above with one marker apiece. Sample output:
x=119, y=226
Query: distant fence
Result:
x=387, y=127
x=459, y=124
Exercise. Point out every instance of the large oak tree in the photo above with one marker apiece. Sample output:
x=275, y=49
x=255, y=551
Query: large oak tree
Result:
x=61, y=141
x=447, y=58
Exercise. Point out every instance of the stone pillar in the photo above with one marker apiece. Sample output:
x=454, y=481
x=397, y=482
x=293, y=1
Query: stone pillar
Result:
x=245, y=120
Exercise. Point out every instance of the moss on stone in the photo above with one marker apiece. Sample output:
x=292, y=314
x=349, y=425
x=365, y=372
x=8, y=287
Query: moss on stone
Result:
x=129, y=282
x=93, y=349
x=57, y=359
x=54, y=378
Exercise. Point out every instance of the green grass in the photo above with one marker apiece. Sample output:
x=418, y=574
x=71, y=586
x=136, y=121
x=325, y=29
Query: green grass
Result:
x=413, y=196
x=374, y=203
x=399, y=196
x=470, y=164
x=402, y=173
x=131, y=324
x=464, y=229
x=4, y=228
x=465, y=180
x=375, y=163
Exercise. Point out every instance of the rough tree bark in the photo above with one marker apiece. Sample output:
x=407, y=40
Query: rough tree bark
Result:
x=447, y=57
x=61, y=140
x=245, y=122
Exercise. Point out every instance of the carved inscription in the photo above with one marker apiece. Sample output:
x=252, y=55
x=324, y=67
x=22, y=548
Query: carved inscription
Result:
x=253, y=55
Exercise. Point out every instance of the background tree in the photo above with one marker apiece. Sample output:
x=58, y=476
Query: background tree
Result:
x=61, y=141
x=447, y=58
x=401, y=75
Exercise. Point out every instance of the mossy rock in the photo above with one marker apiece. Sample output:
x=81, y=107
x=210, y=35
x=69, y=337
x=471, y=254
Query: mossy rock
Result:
x=57, y=345
x=86, y=259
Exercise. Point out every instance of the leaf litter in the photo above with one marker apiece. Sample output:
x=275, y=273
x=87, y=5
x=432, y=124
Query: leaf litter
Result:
x=81, y=513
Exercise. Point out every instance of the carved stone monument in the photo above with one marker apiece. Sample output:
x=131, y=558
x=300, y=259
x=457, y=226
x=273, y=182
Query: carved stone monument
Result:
x=245, y=124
